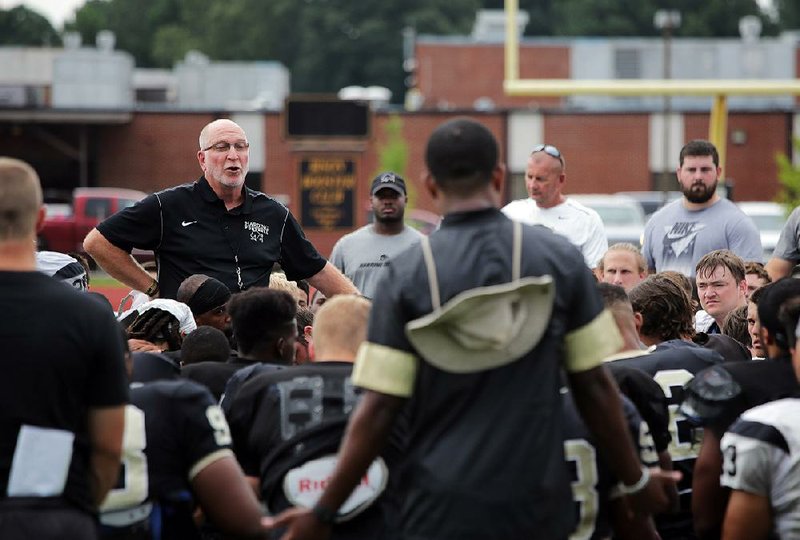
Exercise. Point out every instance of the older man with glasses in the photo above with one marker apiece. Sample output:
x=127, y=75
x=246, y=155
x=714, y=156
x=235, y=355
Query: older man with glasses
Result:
x=545, y=177
x=215, y=226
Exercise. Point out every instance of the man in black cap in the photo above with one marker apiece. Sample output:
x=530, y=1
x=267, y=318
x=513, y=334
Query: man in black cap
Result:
x=363, y=254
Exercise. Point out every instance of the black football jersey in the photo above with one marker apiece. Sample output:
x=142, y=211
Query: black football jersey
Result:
x=592, y=479
x=673, y=364
x=241, y=376
x=648, y=398
x=149, y=367
x=173, y=429
x=273, y=407
x=214, y=375
x=761, y=381
x=282, y=421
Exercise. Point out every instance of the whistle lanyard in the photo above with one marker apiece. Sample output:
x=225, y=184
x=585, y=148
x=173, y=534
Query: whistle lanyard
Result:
x=238, y=273
x=226, y=231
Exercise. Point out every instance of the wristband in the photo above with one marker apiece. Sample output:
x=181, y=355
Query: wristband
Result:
x=638, y=486
x=323, y=514
x=152, y=289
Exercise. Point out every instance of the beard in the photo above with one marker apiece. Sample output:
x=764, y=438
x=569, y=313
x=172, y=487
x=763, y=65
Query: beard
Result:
x=389, y=219
x=699, y=193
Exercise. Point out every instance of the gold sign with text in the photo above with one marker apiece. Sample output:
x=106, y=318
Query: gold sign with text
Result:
x=327, y=192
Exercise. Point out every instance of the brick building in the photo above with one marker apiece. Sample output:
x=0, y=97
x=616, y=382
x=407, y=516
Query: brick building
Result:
x=610, y=144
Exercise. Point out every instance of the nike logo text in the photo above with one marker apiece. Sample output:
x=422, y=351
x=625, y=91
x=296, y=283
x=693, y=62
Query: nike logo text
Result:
x=187, y=223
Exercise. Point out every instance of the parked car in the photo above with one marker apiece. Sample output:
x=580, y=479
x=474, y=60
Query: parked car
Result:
x=623, y=217
x=769, y=218
x=651, y=200
x=66, y=226
x=57, y=210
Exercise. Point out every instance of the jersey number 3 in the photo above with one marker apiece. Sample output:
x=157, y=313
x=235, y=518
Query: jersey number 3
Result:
x=133, y=491
x=584, y=487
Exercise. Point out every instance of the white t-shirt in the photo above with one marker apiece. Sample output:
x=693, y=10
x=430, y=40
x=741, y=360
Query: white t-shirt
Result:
x=579, y=224
x=702, y=321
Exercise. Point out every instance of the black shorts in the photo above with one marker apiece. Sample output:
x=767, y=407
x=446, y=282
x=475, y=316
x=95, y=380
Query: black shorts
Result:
x=24, y=520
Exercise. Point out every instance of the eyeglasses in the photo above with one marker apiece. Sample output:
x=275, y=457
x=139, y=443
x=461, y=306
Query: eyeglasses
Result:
x=550, y=150
x=225, y=146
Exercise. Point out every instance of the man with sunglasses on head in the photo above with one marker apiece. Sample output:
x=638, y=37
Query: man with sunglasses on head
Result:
x=215, y=226
x=545, y=177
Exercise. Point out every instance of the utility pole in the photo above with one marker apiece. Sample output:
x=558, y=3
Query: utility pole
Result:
x=667, y=20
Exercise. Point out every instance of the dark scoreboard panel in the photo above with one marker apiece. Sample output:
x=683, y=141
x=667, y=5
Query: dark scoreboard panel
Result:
x=326, y=118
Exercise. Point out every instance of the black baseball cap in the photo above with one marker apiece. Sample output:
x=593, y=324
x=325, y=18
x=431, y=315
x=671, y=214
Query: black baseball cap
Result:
x=389, y=180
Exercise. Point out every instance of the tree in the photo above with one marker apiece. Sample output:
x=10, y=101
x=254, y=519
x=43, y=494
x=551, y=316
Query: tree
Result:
x=171, y=43
x=393, y=153
x=92, y=17
x=326, y=44
x=360, y=43
x=789, y=176
x=604, y=18
x=788, y=12
x=712, y=18
x=329, y=44
x=262, y=30
x=718, y=18
x=22, y=26
x=140, y=27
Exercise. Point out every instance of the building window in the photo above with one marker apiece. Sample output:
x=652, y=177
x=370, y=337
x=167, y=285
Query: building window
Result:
x=627, y=64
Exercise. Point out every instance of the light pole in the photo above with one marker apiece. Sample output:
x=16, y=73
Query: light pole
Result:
x=413, y=99
x=666, y=20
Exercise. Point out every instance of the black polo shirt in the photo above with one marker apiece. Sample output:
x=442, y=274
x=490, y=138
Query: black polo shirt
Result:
x=192, y=232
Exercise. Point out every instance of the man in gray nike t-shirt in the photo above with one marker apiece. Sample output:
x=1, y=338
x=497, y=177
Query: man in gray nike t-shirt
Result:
x=680, y=234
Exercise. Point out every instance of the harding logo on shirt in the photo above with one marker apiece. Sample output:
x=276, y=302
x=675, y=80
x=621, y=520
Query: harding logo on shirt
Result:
x=384, y=261
x=257, y=230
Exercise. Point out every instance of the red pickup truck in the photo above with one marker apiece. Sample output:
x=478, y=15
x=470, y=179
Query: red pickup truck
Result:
x=66, y=226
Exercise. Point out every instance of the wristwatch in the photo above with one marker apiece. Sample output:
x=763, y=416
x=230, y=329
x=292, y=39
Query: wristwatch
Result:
x=152, y=289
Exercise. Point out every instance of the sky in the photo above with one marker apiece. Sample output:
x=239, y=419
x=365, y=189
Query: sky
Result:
x=57, y=11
